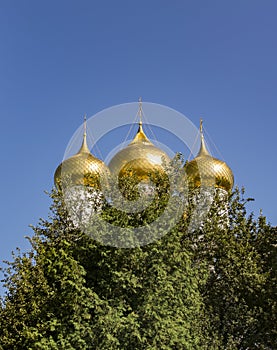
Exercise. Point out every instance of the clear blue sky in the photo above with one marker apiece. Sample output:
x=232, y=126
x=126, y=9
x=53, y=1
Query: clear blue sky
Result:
x=61, y=59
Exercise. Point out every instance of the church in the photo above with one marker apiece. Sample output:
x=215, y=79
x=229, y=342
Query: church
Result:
x=142, y=160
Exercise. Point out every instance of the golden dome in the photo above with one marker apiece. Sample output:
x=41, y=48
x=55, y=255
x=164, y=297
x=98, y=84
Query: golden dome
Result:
x=81, y=169
x=140, y=157
x=205, y=170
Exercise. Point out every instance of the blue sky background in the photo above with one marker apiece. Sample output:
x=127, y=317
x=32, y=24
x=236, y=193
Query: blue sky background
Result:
x=61, y=59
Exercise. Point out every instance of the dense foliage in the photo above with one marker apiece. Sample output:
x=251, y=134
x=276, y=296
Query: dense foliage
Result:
x=208, y=288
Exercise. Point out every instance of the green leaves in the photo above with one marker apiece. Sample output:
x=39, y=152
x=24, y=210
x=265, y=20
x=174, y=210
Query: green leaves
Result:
x=213, y=288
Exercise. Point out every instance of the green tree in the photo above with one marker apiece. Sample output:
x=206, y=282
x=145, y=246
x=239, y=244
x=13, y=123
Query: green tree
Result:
x=240, y=291
x=213, y=287
x=70, y=292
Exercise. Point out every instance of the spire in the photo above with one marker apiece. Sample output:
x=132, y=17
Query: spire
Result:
x=140, y=136
x=140, y=114
x=85, y=125
x=203, y=149
x=84, y=148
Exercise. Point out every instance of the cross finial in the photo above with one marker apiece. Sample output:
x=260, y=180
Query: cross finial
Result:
x=201, y=126
x=85, y=125
x=140, y=111
x=84, y=148
x=203, y=149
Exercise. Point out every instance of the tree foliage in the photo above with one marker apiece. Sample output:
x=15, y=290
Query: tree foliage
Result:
x=240, y=293
x=210, y=288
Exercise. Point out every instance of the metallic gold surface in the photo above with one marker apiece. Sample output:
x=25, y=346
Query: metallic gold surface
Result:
x=81, y=169
x=140, y=157
x=205, y=170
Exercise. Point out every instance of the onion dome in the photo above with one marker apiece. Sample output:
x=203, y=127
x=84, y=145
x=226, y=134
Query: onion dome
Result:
x=205, y=170
x=140, y=157
x=81, y=169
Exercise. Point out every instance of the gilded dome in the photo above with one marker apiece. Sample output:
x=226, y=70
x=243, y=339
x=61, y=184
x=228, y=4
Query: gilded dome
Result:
x=81, y=169
x=205, y=170
x=140, y=157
